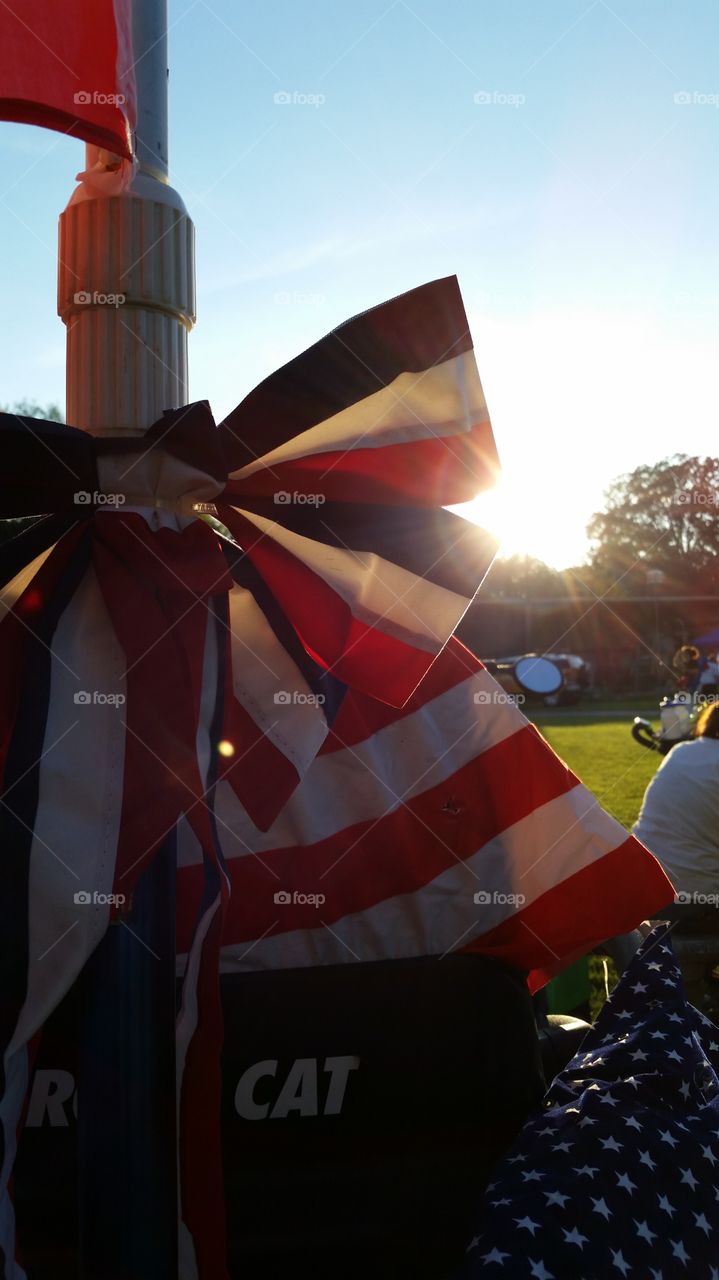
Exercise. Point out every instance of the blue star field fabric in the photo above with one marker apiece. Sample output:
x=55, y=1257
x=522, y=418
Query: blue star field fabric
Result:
x=618, y=1174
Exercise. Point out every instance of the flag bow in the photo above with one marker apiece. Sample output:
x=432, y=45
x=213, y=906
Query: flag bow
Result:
x=145, y=655
x=341, y=568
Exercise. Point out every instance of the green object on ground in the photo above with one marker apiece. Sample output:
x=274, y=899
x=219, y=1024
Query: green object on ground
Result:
x=570, y=989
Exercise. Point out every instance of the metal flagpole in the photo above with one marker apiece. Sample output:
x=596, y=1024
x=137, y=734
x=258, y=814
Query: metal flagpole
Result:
x=126, y=294
x=126, y=272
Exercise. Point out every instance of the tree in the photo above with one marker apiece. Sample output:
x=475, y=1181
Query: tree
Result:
x=31, y=409
x=521, y=577
x=660, y=517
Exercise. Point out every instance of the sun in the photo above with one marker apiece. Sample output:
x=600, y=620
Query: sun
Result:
x=531, y=519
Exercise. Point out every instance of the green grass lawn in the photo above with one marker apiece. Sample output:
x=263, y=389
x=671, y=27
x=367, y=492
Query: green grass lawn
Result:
x=604, y=756
x=616, y=769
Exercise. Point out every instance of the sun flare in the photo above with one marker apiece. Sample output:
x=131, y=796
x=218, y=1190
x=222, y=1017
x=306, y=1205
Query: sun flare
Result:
x=530, y=520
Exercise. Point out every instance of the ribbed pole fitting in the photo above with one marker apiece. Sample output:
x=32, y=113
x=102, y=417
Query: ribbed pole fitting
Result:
x=126, y=291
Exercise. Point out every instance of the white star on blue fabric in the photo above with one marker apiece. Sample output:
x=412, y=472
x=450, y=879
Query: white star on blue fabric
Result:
x=575, y=1237
x=527, y=1224
x=539, y=1271
x=620, y=1261
x=556, y=1197
x=495, y=1256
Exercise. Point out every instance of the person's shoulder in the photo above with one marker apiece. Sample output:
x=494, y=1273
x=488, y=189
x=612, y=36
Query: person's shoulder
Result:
x=682, y=753
x=699, y=753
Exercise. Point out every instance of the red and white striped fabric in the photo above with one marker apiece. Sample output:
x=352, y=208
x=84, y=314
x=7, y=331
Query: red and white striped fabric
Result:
x=289, y=701
x=446, y=825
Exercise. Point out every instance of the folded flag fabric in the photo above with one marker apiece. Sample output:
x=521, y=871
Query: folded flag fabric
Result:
x=288, y=699
x=617, y=1175
x=446, y=824
x=70, y=67
x=144, y=657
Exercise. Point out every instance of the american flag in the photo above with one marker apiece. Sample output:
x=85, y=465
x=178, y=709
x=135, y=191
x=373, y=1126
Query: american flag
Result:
x=618, y=1175
x=446, y=824
x=289, y=699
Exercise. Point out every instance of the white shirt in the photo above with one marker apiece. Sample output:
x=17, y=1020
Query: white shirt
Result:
x=710, y=675
x=679, y=818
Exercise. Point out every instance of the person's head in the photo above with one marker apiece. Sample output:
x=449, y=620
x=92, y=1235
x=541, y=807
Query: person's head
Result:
x=707, y=725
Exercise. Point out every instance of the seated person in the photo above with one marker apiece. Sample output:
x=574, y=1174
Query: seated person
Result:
x=679, y=819
x=686, y=664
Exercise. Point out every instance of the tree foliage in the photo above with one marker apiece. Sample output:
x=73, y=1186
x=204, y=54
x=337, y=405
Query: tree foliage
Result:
x=31, y=409
x=661, y=517
x=521, y=577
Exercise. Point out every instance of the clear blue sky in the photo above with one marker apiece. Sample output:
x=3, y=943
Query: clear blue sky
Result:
x=582, y=218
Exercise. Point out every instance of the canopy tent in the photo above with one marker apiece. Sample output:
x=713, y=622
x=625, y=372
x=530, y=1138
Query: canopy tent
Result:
x=710, y=639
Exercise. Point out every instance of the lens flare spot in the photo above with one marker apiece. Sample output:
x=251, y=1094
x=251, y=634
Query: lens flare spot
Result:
x=32, y=601
x=226, y=748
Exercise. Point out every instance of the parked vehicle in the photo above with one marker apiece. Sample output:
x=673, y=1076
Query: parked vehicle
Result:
x=577, y=678
x=529, y=673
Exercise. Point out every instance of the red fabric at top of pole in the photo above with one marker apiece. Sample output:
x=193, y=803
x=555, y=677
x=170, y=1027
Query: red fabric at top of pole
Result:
x=70, y=67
